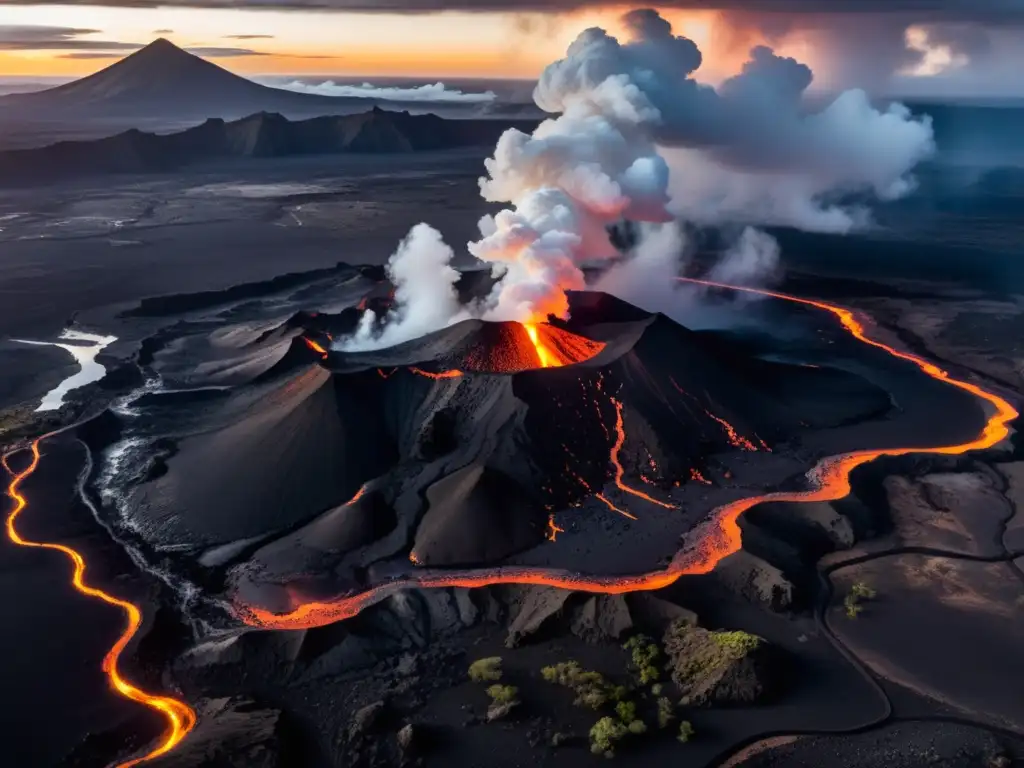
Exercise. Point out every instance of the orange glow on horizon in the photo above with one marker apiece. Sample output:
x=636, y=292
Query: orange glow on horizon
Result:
x=180, y=717
x=717, y=538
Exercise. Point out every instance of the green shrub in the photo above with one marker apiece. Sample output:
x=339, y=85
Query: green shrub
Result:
x=656, y=689
x=604, y=734
x=737, y=644
x=666, y=712
x=591, y=689
x=503, y=694
x=644, y=655
x=636, y=727
x=626, y=710
x=685, y=731
x=859, y=591
x=485, y=670
x=862, y=591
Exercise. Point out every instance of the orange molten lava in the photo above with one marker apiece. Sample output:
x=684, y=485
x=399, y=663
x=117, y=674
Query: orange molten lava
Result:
x=604, y=500
x=179, y=716
x=555, y=347
x=734, y=437
x=315, y=347
x=715, y=539
x=441, y=375
x=553, y=530
x=620, y=439
x=546, y=356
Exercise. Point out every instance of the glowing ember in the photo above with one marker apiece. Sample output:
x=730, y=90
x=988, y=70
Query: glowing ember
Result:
x=602, y=498
x=179, y=716
x=720, y=538
x=620, y=439
x=553, y=530
x=441, y=375
x=359, y=494
x=413, y=559
x=696, y=475
x=315, y=347
x=735, y=439
x=389, y=374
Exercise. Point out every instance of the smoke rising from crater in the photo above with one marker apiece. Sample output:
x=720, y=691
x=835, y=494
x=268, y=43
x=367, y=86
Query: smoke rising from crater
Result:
x=635, y=136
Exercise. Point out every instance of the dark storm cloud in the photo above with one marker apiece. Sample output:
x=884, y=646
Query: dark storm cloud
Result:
x=963, y=9
x=15, y=37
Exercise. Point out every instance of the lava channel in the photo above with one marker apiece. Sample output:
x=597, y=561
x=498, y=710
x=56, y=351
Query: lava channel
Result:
x=718, y=537
x=180, y=717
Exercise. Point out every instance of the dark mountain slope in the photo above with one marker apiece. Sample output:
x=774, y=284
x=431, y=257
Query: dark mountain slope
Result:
x=260, y=135
x=164, y=81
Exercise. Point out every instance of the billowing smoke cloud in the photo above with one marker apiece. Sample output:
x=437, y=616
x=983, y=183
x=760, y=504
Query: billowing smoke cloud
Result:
x=429, y=92
x=425, y=297
x=636, y=137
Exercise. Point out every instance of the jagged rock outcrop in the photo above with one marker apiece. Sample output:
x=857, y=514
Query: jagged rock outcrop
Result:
x=717, y=667
x=593, y=618
x=756, y=580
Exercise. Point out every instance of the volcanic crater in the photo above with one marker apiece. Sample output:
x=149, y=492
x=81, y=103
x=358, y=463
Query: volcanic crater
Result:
x=593, y=446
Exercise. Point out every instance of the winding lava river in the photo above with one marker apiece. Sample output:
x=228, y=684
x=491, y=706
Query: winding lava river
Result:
x=716, y=538
x=179, y=716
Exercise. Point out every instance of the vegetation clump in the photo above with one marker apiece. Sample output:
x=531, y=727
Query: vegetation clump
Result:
x=685, y=731
x=645, y=654
x=591, y=688
x=485, y=670
x=504, y=698
x=604, y=735
x=666, y=712
x=852, y=602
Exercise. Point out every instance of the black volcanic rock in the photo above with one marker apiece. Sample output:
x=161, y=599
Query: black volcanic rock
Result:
x=259, y=135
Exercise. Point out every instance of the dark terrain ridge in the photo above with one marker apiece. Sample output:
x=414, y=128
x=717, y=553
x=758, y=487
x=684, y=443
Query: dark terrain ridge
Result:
x=262, y=135
x=291, y=697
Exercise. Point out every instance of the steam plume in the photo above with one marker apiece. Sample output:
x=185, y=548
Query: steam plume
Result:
x=636, y=137
x=425, y=296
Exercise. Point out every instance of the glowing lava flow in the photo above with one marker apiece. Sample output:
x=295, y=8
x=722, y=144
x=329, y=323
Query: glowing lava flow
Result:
x=620, y=439
x=180, y=717
x=716, y=538
x=555, y=347
x=315, y=347
x=442, y=375
x=546, y=356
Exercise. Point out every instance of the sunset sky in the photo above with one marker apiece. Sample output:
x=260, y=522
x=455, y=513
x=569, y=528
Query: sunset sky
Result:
x=442, y=44
x=856, y=48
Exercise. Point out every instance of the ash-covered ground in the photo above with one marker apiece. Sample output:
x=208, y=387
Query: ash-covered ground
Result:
x=236, y=475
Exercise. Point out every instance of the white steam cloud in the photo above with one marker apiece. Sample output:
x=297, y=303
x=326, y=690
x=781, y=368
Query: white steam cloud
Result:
x=425, y=296
x=429, y=92
x=636, y=137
